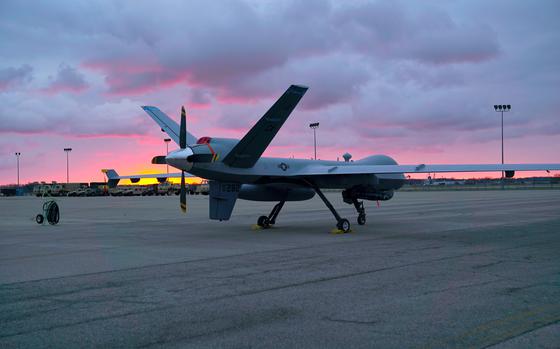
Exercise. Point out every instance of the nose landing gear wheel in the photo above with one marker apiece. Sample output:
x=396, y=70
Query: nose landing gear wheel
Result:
x=361, y=219
x=39, y=219
x=343, y=225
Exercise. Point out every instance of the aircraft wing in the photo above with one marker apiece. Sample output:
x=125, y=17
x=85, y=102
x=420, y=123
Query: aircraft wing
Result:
x=156, y=175
x=348, y=169
x=167, y=124
x=250, y=148
x=114, y=177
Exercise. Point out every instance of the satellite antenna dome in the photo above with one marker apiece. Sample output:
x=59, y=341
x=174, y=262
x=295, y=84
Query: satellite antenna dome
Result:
x=347, y=157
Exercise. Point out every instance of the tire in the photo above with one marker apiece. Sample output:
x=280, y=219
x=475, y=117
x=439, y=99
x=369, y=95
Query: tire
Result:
x=361, y=219
x=263, y=222
x=39, y=219
x=343, y=225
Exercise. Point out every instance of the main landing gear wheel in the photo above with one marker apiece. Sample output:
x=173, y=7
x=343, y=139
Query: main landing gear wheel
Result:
x=343, y=225
x=263, y=221
x=270, y=220
x=361, y=219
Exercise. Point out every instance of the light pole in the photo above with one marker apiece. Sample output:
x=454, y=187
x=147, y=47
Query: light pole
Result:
x=314, y=126
x=67, y=150
x=17, y=156
x=501, y=109
x=167, y=140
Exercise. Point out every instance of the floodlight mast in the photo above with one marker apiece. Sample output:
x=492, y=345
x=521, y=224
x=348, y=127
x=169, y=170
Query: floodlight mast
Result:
x=501, y=108
x=167, y=140
x=17, y=156
x=67, y=150
x=314, y=126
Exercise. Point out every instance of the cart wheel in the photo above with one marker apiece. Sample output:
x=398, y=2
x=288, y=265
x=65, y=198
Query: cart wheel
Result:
x=39, y=219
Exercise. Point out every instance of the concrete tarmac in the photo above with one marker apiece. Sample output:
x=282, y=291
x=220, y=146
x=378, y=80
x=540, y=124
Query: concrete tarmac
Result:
x=445, y=269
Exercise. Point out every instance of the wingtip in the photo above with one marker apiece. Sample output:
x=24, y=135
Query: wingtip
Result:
x=303, y=87
x=298, y=89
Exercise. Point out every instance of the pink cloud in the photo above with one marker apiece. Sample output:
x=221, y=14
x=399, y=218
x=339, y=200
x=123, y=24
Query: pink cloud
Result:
x=10, y=77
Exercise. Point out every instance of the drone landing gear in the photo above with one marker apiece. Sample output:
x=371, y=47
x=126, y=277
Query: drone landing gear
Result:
x=342, y=224
x=359, y=205
x=267, y=221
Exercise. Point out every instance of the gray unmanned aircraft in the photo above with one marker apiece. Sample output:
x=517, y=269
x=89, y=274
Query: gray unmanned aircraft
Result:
x=236, y=169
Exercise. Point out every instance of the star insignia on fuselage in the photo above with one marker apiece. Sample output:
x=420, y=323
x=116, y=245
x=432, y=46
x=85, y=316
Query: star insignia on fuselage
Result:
x=283, y=166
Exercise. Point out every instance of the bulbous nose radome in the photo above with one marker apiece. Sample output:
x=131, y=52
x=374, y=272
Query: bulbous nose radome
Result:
x=178, y=159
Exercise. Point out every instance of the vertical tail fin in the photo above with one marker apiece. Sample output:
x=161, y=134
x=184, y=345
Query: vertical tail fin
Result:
x=168, y=125
x=112, y=177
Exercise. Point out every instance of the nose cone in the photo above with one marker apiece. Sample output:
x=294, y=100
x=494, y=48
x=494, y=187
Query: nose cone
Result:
x=178, y=159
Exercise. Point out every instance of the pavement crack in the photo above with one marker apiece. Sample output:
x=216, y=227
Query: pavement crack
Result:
x=355, y=274
x=482, y=266
x=537, y=326
x=459, y=287
x=354, y=322
x=99, y=318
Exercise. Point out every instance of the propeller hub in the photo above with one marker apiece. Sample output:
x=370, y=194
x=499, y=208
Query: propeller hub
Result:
x=178, y=159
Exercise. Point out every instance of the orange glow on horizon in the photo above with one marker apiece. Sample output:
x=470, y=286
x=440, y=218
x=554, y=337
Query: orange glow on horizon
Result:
x=149, y=181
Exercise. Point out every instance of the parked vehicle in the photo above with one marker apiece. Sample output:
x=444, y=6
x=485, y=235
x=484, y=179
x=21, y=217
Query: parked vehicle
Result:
x=116, y=191
x=133, y=191
x=42, y=189
x=165, y=188
x=199, y=188
x=150, y=190
x=76, y=192
x=57, y=190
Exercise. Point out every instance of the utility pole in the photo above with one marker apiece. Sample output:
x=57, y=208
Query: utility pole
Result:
x=67, y=150
x=314, y=126
x=17, y=156
x=501, y=109
x=167, y=140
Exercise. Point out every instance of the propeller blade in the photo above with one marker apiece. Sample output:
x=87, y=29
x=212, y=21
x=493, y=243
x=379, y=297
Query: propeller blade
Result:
x=183, y=193
x=159, y=160
x=183, y=130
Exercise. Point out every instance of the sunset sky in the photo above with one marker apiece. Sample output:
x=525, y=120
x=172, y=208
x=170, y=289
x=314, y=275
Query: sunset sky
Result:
x=414, y=80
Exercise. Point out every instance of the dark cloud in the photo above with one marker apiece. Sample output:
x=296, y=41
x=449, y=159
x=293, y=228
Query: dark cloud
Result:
x=223, y=45
x=228, y=45
x=10, y=76
x=471, y=45
x=392, y=30
x=231, y=43
x=67, y=79
x=200, y=99
x=331, y=79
